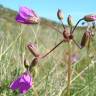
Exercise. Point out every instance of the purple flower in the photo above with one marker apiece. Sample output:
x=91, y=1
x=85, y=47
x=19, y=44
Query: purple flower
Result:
x=27, y=16
x=23, y=83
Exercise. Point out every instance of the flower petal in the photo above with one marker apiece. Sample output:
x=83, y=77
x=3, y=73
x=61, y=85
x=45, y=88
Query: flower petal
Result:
x=22, y=20
x=15, y=84
x=26, y=12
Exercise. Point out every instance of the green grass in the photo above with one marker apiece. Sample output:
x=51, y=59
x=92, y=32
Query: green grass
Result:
x=51, y=77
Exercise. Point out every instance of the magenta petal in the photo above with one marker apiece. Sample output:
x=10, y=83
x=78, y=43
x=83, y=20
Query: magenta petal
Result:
x=22, y=20
x=24, y=87
x=27, y=16
x=26, y=12
x=14, y=85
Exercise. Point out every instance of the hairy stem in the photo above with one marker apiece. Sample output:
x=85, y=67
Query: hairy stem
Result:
x=69, y=71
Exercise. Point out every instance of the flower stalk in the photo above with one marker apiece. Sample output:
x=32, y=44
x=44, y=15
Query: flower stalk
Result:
x=69, y=72
x=76, y=25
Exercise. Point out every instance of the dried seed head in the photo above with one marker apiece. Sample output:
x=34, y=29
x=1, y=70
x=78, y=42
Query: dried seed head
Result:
x=85, y=39
x=33, y=49
x=90, y=18
x=70, y=21
x=60, y=14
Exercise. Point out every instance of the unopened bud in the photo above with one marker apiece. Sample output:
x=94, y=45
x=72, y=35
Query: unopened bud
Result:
x=85, y=39
x=70, y=21
x=33, y=49
x=90, y=18
x=60, y=14
x=26, y=64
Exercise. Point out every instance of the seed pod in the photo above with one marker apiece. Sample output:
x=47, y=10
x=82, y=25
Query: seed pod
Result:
x=33, y=63
x=90, y=18
x=85, y=39
x=60, y=14
x=33, y=49
x=70, y=21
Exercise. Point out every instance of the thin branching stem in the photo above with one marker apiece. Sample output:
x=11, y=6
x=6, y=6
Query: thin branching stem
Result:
x=53, y=49
x=76, y=25
x=62, y=24
x=77, y=44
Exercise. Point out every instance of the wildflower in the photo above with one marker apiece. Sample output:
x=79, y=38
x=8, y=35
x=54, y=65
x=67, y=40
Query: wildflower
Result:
x=27, y=16
x=60, y=14
x=70, y=21
x=90, y=18
x=33, y=49
x=23, y=83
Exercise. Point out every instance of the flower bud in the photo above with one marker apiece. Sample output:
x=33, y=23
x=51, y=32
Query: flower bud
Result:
x=85, y=39
x=70, y=21
x=90, y=18
x=26, y=65
x=60, y=14
x=33, y=49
